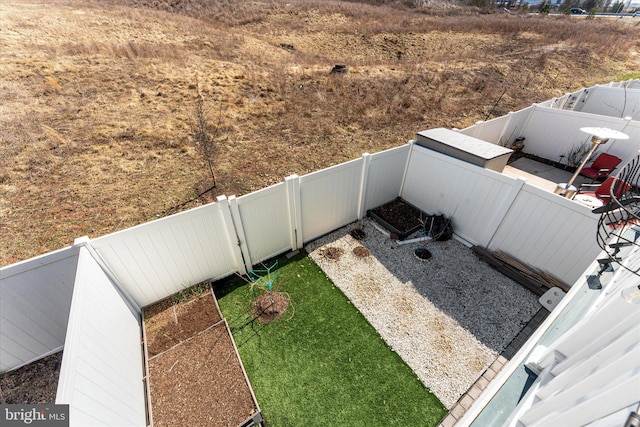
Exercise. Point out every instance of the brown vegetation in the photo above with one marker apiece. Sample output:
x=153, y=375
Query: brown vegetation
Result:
x=100, y=100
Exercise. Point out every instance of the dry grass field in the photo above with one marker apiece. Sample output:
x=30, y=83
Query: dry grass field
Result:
x=111, y=110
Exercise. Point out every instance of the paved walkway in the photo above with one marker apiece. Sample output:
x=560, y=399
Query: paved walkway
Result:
x=467, y=399
x=541, y=175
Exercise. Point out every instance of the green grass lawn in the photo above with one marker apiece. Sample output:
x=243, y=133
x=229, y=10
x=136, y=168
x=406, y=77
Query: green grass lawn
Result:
x=322, y=363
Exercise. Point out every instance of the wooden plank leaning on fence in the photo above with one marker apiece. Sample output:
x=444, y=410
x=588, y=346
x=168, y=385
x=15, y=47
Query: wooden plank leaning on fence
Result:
x=535, y=280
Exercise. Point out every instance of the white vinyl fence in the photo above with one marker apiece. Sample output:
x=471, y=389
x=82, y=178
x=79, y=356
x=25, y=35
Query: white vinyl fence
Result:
x=502, y=130
x=474, y=198
x=35, y=299
x=550, y=232
x=550, y=133
x=610, y=101
x=101, y=377
x=119, y=273
x=489, y=209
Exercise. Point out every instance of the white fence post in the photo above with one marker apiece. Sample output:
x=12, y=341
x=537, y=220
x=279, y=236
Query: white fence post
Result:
x=406, y=166
x=526, y=122
x=504, y=130
x=478, y=128
x=366, y=163
x=502, y=211
x=242, y=264
x=295, y=210
x=239, y=229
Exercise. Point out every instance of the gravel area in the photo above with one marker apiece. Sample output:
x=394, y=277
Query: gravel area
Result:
x=448, y=317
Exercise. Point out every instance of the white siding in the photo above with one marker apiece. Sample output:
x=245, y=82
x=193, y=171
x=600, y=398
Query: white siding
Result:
x=265, y=219
x=102, y=365
x=329, y=198
x=549, y=232
x=159, y=258
x=35, y=298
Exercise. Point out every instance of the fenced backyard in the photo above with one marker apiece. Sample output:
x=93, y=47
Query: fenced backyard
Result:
x=152, y=261
x=87, y=298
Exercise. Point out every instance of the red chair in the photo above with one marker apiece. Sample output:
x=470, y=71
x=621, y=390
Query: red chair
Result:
x=601, y=167
x=603, y=191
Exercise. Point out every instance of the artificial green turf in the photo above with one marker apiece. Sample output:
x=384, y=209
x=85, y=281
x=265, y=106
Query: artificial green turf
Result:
x=322, y=363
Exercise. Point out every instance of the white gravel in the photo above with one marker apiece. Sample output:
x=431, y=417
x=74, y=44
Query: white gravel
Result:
x=447, y=317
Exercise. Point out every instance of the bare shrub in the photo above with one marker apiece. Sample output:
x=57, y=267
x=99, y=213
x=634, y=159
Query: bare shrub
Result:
x=576, y=154
x=204, y=134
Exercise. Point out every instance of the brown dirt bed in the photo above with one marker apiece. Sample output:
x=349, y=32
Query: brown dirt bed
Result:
x=195, y=375
x=169, y=323
x=35, y=383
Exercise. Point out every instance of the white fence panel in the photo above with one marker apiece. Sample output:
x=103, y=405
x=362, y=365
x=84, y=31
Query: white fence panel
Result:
x=35, y=298
x=102, y=367
x=491, y=129
x=549, y=232
x=265, y=219
x=612, y=101
x=469, y=194
x=569, y=100
x=154, y=260
x=384, y=180
x=512, y=126
x=515, y=126
x=626, y=149
x=551, y=133
x=329, y=198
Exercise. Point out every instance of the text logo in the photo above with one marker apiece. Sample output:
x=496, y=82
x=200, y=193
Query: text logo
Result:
x=34, y=415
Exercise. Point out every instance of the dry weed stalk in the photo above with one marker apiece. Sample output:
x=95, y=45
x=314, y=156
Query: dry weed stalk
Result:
x=204, y=133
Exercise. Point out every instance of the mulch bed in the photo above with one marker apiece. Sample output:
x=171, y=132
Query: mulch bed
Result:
x=361, y=251
x=331, y=253
x=270, y=306
x=195, y=375
x=169, y=323
x=33, y=384
x=358, y=233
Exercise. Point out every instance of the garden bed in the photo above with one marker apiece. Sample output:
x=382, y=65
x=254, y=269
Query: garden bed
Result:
x=196, y=377
x=398, y=217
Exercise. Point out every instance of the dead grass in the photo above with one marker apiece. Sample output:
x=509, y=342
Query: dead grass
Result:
x=98, y=100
